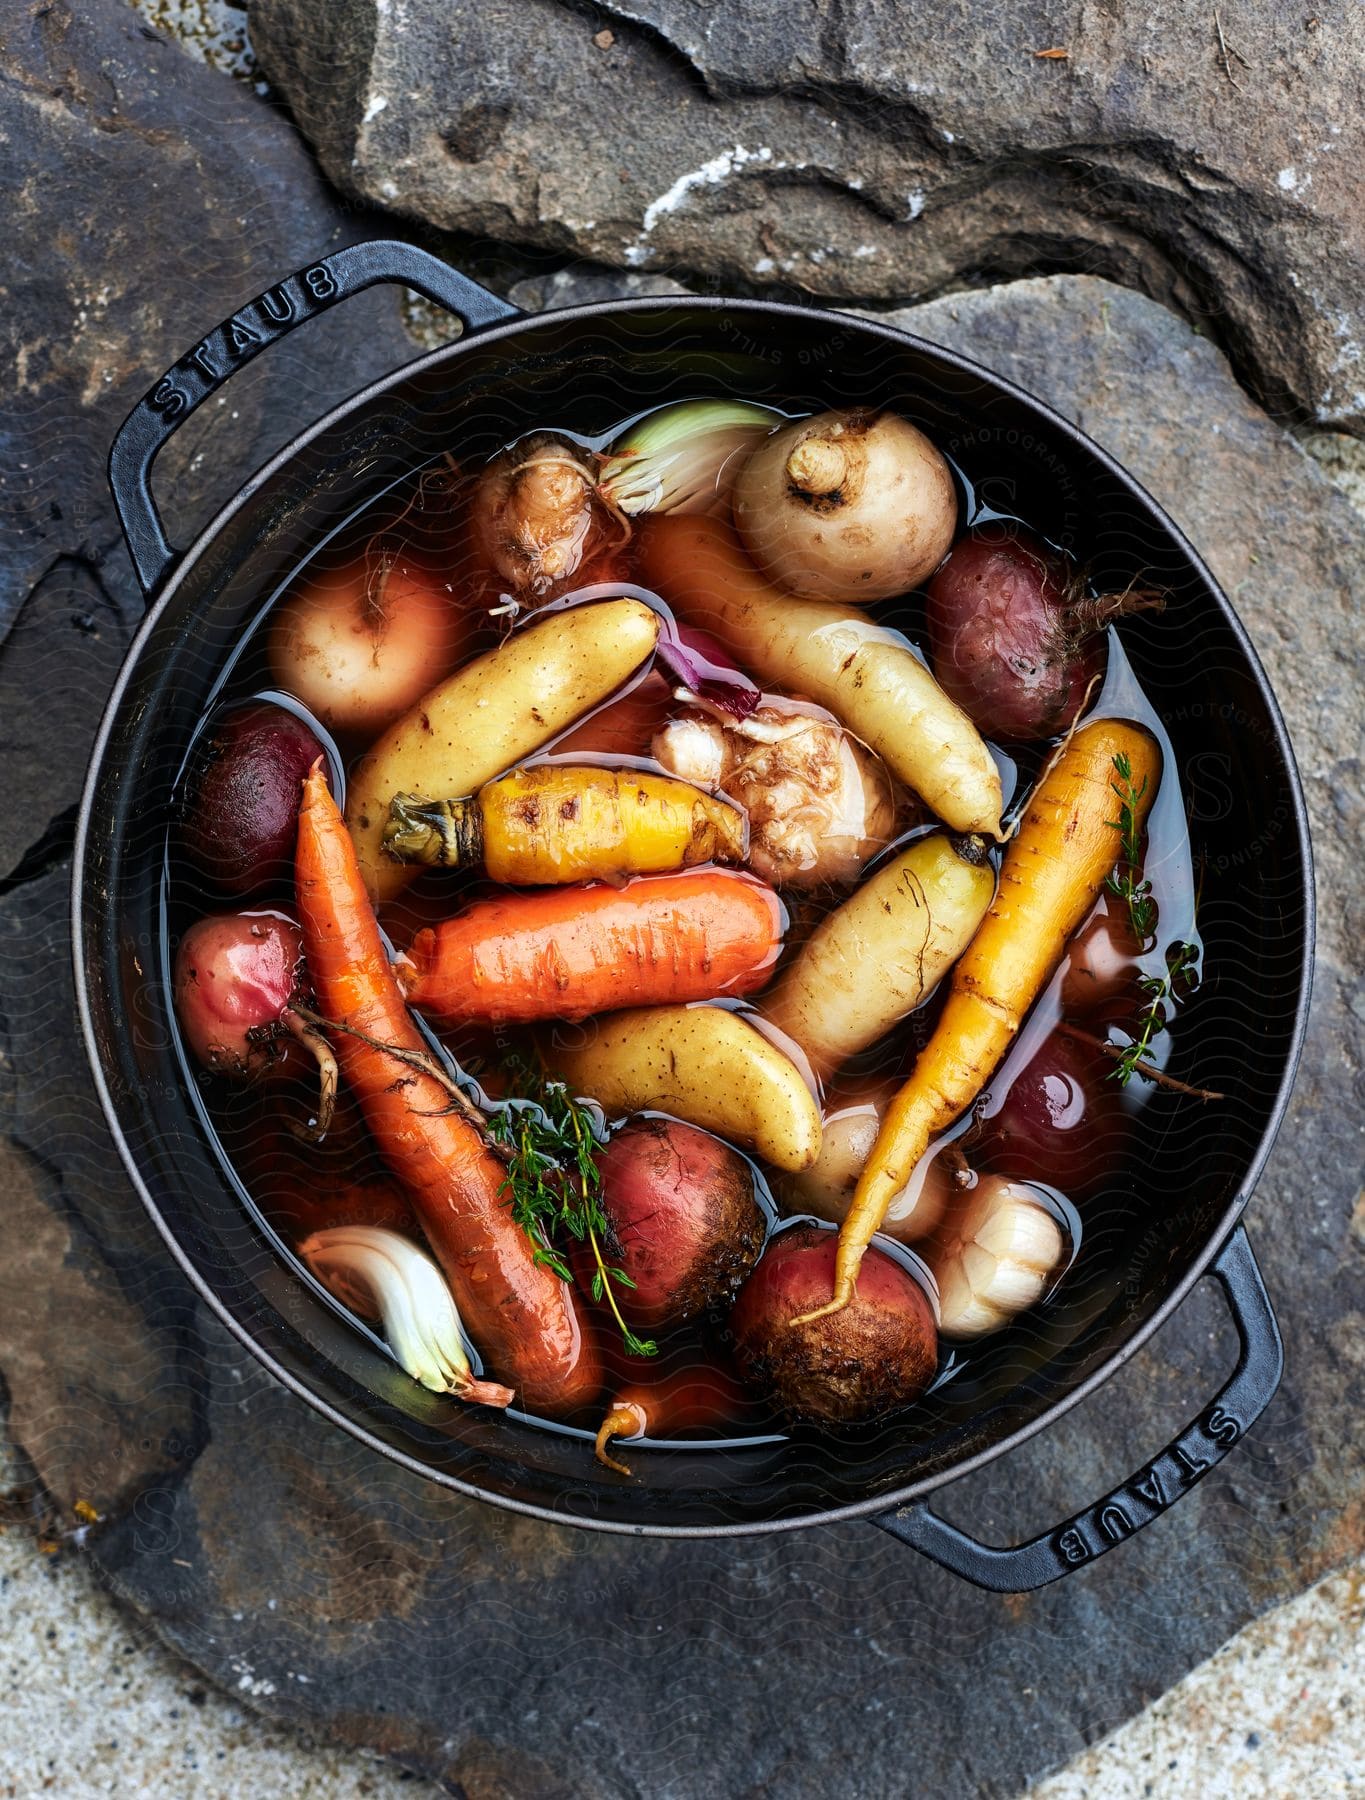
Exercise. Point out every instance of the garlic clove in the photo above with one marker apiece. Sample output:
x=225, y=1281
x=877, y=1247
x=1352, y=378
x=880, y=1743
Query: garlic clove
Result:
x=381, y=1275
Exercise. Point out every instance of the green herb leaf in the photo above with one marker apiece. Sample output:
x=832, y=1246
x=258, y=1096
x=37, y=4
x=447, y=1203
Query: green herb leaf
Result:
x=553, y=1183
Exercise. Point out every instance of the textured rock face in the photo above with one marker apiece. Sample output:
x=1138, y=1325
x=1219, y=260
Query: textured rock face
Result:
x=877, y=151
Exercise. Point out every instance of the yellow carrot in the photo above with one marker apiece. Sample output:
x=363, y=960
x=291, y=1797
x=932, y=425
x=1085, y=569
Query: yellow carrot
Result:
x=563, y=823
x=1052, y=874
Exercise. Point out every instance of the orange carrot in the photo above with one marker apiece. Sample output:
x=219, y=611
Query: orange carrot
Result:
x=567, y=952
x=522, y=1317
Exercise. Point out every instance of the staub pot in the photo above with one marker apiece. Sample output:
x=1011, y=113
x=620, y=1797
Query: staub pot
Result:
x=1194, y=1167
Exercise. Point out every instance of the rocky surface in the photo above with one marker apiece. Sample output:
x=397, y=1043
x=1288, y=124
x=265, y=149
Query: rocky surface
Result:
x=862, y=149
x=325, y=1587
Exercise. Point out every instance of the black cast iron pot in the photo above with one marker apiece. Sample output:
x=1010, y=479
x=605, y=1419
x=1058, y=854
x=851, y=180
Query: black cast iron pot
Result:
x=1195, y=1166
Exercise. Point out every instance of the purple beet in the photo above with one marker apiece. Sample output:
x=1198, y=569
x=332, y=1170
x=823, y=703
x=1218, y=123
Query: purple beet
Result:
x=1015, y=638
x=239, y=808
x=1061, y=1121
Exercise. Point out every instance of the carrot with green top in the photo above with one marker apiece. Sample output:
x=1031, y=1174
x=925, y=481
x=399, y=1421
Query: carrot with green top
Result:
x=1054, y=868
x=519, y=1313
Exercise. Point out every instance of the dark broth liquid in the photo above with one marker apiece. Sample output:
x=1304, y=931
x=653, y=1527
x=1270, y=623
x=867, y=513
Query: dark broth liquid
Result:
x=291, y=1188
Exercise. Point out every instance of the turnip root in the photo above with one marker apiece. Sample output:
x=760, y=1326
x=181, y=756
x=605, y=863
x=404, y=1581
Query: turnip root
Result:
x=535, y=519
x=681, y=1210
x=852, y=506
x=819, y=804
x=237, y=978
x=359, y=644
x=1016, y=638
x=879, y=1353
x=994, y=1257
x=239, y=805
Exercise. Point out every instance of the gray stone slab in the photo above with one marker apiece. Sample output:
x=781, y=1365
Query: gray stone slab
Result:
x=876, y=149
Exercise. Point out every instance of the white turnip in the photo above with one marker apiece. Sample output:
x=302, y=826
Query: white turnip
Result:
x=358, y=645
x=852, y=506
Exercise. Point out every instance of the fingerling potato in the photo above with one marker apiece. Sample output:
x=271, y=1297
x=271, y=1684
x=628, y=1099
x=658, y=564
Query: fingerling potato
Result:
x=875, y=958
x=489, y=714
x=702, y=1064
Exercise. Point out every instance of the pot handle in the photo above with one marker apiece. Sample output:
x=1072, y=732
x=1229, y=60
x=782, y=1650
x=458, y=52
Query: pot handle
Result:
x=260, y=323
x=1203, y=1443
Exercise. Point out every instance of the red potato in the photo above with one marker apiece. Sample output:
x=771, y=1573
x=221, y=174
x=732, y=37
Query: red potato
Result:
x=1016, y=639
x=360, y=644
x=876, y=1354
x=1061, y=1120
x=239, y=805
x=680, y=1205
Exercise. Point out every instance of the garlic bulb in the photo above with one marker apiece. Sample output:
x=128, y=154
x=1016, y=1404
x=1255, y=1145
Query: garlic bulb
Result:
x=381, y=1275
x=820, y=804
x=995, y=1258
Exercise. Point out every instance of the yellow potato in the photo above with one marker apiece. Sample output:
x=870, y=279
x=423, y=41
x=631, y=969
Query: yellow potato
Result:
x=703, y=1064
x=833, y=654
x=876, y=957
x=491, y=713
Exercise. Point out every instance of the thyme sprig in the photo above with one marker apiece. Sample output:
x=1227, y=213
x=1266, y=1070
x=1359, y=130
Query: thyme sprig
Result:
x=554, y=1185
x=1152, y=1018
x=1126, y=880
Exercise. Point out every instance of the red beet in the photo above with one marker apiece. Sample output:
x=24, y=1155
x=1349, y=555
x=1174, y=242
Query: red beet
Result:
x=1061, y=1121
x=682, y=1212
x=239, y=808
x=879, y=1353
x=1015, y=638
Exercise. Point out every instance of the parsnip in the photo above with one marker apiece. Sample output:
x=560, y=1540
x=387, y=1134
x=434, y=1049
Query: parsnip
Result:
x=490, y=714
x=704, y=1065
x=832, y=654
x=876, y=957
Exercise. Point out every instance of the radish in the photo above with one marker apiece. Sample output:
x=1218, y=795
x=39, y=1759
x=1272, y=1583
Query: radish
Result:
x=237, y=977
x=877, y=1353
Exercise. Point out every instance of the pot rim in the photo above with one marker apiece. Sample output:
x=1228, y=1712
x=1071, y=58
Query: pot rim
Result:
x=893, y=1497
